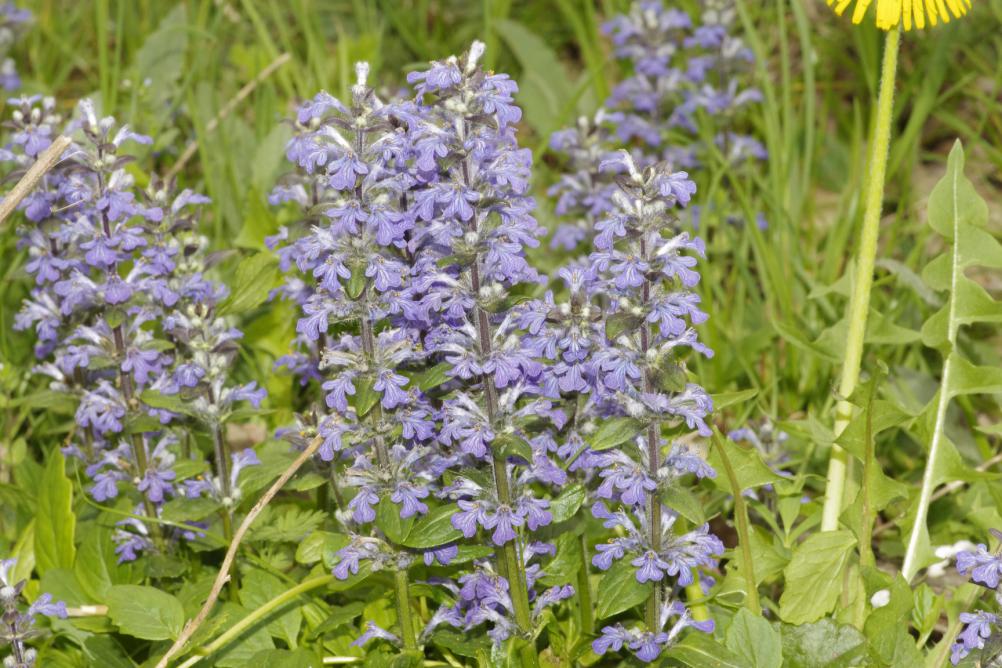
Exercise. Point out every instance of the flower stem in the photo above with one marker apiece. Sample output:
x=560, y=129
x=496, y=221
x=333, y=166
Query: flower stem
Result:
x=255, y=615
x=508, y=556
x=584, y=590
x=859, y=303
x=404, y=609
x=653, y=462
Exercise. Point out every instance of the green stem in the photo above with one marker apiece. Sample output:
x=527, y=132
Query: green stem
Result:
x=584, y=590
x=404, y=610
x=859, y=303
x=741, y=519
x=255, y=615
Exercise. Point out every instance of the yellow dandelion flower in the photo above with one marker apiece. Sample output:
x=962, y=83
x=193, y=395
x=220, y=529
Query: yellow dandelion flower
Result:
x=906, y=12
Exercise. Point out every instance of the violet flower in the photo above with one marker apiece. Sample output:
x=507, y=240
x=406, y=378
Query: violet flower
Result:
x=17, y=616
x=985, y=569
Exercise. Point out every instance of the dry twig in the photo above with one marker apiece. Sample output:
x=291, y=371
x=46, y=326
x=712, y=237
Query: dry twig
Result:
x=46, y=161
x=231, y=553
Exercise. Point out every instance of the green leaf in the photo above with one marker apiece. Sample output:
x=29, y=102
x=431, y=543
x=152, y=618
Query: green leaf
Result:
x=512, y=445
x=257, y=588
x=431, y=378
x=104, y=651
x=463, y=644
x=283, y=658
x=290, y=524
x=754, y=640
x=959, y=215
x=145, y=612
x=885, y=625
x=725, y=399
x=170, y=402
x=433, y=529
x=342, y=614
x=814, y=576
x=365, y=397
x=160, y=60
x=317, y=544
x=239, y=652
x=564, y=566
x=388, y=519
x=546, y=88
x=618, y=590
x=749, y=469
x=614, y=432
x=183, y=509
x=256, y=275
x=567, y=504
x=685, y=503
x=55, y=523
x=700, y=650
x=823, y=644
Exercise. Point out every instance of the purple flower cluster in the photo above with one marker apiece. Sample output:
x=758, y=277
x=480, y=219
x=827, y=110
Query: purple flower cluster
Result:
x=984, y=568
x=13, y=21
x=357, y=163
x=418, y=219
x=122, y=309
x=685, y=77
x=619, y=343
x=17, y=621
x=646, y=644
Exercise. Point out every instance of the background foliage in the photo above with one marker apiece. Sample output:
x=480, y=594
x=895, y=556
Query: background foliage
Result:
x=172, y=69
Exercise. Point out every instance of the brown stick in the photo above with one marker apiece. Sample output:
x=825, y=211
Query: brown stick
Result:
x=231, y=553
x=227, y=109
x=46, y=161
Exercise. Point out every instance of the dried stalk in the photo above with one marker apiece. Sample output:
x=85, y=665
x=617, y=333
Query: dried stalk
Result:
x=231, y=553
x=46, y=161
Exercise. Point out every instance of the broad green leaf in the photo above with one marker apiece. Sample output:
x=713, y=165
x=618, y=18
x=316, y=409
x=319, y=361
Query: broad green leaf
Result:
x=431, y=378
x=823, y=644
x=365, y=396
x=885, y=625
x=388, y=519
x=814, y=576
x=145, y=612
x=699, y=650
x=317, y=544
x=183, y=509
x=564, y=566
x=257, y=588
x=170, y=402
x=568, y=502
x=238, y=652
x=754, y=640
x=618, y=590
x=103, y=650
x=682, y=500
x=614, y=432
x=433, y=529
x=256, y=275
x=55, y=523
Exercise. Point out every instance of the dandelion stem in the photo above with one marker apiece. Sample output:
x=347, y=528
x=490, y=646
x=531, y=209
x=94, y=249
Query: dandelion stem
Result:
x=859, y=303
